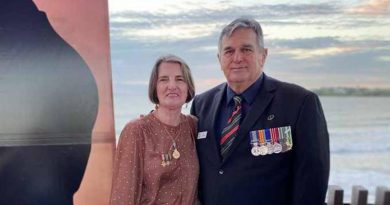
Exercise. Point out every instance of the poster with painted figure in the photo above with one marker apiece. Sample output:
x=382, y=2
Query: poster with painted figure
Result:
x=56, y=116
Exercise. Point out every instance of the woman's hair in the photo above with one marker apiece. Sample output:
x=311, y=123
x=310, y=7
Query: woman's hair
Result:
x=186, y=74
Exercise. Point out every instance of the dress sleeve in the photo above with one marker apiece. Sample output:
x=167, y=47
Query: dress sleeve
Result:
x=194, y=130
x=193, y=124
x=128, y=167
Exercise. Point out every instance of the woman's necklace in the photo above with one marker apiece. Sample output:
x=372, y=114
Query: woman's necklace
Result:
x=173, y=148
x=173, y=152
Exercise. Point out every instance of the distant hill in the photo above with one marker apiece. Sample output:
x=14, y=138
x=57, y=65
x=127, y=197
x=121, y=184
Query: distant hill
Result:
x=348, y=91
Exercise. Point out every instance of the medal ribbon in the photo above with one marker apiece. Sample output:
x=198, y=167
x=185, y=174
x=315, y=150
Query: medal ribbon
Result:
x=275, y=135
x=267, y=135
x=261, y=136
x=280, y=134
x=288, y=134
x=254, y=137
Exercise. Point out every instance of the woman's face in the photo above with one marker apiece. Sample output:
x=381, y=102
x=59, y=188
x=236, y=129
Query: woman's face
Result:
x=172, y=90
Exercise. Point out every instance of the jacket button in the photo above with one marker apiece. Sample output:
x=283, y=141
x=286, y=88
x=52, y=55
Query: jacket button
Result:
x=220, y=171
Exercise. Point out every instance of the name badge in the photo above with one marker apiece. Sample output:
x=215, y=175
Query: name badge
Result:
x=202, y=135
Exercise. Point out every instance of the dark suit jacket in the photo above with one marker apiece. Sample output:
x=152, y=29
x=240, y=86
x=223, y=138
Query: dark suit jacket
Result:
x=298, y=176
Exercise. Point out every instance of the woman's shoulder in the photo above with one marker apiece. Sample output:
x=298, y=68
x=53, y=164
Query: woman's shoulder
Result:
x=137, y=123
x=132, y=124
x=192, y=119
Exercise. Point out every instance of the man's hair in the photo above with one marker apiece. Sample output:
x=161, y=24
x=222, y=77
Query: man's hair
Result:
x=186, y=75
x=242, y=22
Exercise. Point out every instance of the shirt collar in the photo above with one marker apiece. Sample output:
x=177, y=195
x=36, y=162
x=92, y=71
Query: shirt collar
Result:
x=248, y=95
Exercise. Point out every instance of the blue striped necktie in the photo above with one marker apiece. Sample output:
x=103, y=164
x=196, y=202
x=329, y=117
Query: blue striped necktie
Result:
x=229, y=133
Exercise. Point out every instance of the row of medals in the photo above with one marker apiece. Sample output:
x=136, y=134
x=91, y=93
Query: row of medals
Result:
x=265, y=149
x=168, y=157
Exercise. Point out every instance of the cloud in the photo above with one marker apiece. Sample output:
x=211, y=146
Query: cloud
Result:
x=309, y=43
x=372, y=7
x=205, y=21
x=384, y=58
x=205, y=84
x=311, y=53
x=201, y=24
x=136, y=82
x=309, y=39
x=173, y=33
x=307, y=48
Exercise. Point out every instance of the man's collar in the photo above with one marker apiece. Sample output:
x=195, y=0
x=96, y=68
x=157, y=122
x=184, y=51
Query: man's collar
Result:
x=248, y=95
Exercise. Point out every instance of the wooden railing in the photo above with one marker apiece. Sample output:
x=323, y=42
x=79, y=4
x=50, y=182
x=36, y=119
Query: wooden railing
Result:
x=359, y=196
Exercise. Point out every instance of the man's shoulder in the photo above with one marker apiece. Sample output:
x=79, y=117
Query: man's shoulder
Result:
x=288, y=88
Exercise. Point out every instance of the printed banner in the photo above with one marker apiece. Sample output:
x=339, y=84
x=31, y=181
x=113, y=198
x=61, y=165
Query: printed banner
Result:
x=56, y=113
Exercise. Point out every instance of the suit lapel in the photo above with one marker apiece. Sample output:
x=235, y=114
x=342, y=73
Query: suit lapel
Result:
x=261, y=102
x=215, y=156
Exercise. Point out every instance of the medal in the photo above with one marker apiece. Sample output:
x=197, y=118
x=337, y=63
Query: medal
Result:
x=277, y=148
x=163, y=161
x=282, y=140
x=270, y=148
x=271, y=140
x=176, y=154
x=287, y=137
x=255, y=151
x=268, y=140
x=173, y=153
x=254, y=143
x=263, y=150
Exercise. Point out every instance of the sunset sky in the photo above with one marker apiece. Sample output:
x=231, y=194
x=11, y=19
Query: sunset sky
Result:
x=311, y=43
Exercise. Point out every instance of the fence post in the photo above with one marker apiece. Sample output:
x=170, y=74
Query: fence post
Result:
x=359, y=195
x=335, y=195
x=382, y=196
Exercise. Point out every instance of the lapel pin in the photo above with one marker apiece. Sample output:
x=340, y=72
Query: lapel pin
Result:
x=270, y=117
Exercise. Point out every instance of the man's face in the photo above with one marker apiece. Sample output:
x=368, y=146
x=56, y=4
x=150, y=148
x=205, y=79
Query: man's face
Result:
x=241, y=58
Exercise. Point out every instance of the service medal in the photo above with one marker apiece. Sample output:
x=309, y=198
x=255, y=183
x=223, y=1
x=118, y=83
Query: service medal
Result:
x=277, y=148
x=263, y=150
x=270, y=148
x=256, y=151
x=268, y=139
x=163, y=161
x=176, y=154
x=287, y=138
x=254, y=141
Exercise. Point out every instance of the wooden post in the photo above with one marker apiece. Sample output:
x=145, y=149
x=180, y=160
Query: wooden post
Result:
x=382, y=196
x=335, y=195
x=359, y=195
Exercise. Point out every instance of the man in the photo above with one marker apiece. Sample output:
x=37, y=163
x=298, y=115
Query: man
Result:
x=260, y=140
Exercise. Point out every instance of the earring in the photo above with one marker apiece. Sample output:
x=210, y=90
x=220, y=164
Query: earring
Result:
x=156, y=106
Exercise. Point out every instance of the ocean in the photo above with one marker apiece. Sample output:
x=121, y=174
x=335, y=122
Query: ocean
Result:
x=359, y=129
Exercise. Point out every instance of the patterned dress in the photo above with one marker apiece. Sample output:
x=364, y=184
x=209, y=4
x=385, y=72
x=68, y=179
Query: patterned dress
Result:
x=145, y=171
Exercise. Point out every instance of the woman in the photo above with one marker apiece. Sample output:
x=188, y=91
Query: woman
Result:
x=156, y=160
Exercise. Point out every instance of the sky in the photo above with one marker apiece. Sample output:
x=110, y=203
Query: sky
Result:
x=311, y=43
